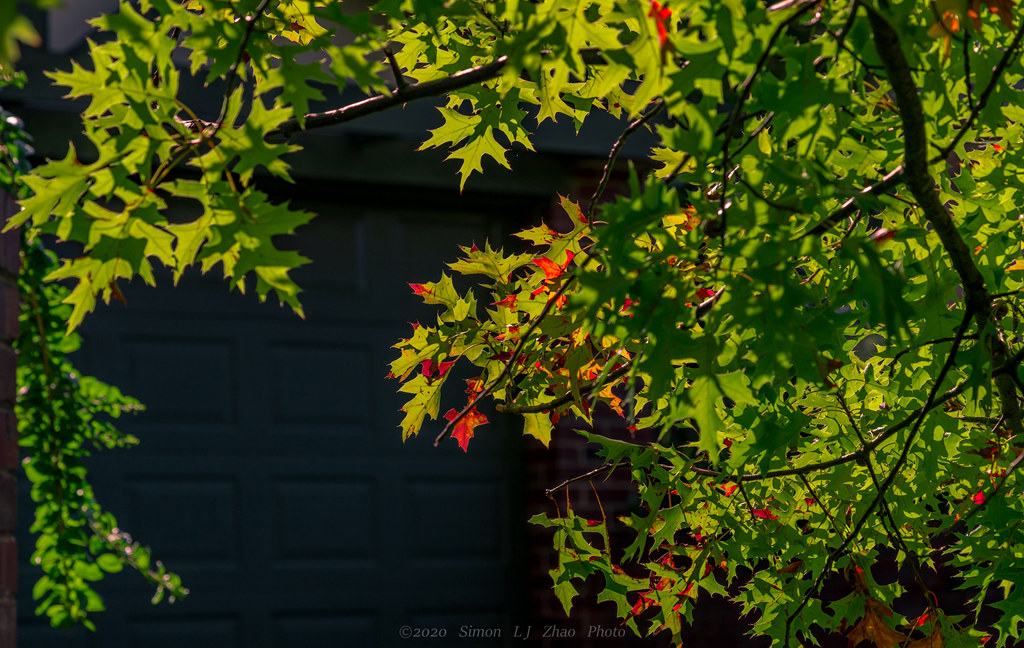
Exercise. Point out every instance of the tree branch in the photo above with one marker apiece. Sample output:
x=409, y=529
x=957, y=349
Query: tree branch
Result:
x=929, y=403
x=745, y=94
x=922, y=186
x=978, y=302
x=250, y=25
x=614, y=153
x=869, y=447
x=564, y=398
x=889, y=181
x=997, y=74
x=401, y=96
x=586, y=475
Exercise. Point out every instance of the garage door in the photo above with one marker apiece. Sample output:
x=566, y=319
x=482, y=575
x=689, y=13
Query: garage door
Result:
x=271, y=474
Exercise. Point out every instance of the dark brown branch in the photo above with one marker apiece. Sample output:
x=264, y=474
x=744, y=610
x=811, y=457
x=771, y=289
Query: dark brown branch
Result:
x=896, y=358
x=889, y=181
x=858, y=455
x=911, y=436
x=614, y=153
x=400, y=83
x=564, y=398
x=401, y=96
x=250, y=25
x=997, y=74
x=586, y=475
x=744, y=94
x=922, y=186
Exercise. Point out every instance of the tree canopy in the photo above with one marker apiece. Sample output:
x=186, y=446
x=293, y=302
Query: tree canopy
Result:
x=811, y=299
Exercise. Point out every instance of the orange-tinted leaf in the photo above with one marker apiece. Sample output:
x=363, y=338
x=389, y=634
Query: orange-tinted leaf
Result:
x=463, y=431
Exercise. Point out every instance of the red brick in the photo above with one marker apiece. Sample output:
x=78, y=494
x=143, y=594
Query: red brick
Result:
x=8, y=504
x=8, y=615
x=9, y=453
x=10, y=243
x=9, y=309
x=8, y=565
x=8, y=380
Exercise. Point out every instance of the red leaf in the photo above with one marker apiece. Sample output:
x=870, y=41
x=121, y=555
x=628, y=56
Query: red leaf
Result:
x=979, y=498
x=463, y=431
x=592, y=523
x=883, y=234
x=443, y=367
x=419, y=289
x=765, y=514
x=427, y=367
x=729, y=490
x=704, y=293
x=921, y=620
x=509, y=302
x=661, y=17
x=551, y=269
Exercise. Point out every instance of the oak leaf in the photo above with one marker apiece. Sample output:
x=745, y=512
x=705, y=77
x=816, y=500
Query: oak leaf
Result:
x=463, y=431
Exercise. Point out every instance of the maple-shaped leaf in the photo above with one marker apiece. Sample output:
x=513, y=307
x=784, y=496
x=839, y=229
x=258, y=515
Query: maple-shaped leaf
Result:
x=874, y=629
x=538, y=426
x=469, y=138
x=425, y=401
x=463, y=431
x=556, y=243
x=242, y=146
x=441, y=292
x=551, y=269
x=489, y=262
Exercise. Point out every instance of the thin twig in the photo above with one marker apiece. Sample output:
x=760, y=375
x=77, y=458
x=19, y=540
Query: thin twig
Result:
x=967, y=66
x=586, y=475
x=858, y=455
x=400, y=82
x=892, y=529
x=742, y=100
x=250, y=25
x=769, y=201
x=753, y=135
x=995, y=489
x=896, y=358
x=911, y=436
x=614, y=153
x=889, y=181
x=564, y=398
x=997, y=73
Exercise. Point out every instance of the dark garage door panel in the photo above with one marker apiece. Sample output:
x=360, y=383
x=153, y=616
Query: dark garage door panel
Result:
x=271, y=473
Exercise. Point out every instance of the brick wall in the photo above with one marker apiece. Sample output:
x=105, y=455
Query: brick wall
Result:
x=9, y=244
